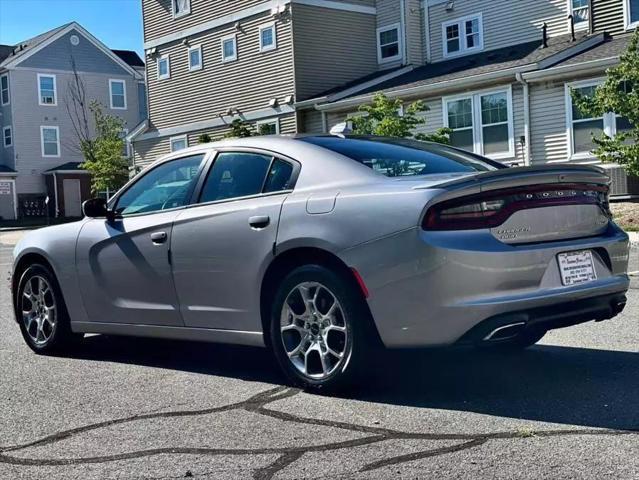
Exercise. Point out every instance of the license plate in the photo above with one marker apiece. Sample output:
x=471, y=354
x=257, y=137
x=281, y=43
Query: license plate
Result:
x=576, y=267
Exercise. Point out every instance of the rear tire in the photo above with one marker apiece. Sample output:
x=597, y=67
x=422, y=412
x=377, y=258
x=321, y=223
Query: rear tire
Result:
x=41, y=312
x=319, y=329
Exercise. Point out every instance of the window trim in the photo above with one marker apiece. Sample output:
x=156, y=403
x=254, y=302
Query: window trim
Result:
x=200, y=66
x=583, y=25
x=177, y=138
x=4, y=136
x=629, y=25
x=184, y=13
x=166, y=57
x=55, y=90
x=461, y=23
x=400, y=43
x=223, y=40
x=8, y=102
x=268, y=121
x=111, y=82
x=42, y=129
x=266, y=26
x=477, y=127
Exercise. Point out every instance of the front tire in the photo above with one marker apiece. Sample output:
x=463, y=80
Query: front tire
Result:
x=41, y=312
x=317, y=329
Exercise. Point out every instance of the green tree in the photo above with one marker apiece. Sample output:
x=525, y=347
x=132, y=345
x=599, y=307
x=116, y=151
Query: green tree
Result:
x=619, y=94
x=391, y=118
x=240, y=129
x=103, y=153
x=204, y=138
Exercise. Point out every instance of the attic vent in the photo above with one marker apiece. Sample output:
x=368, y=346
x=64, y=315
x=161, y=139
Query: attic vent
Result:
x=75, y=40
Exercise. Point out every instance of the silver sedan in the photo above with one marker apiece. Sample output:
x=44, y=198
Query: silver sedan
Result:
x=326, y=248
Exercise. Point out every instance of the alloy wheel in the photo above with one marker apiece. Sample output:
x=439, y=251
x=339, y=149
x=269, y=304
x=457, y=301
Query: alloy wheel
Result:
x=39, y=312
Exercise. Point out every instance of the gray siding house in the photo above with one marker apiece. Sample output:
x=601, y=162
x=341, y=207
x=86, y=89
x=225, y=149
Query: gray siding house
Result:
x=39, y=155
x=498, y=72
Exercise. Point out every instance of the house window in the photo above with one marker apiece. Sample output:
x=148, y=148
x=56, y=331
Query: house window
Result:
x=631, y=13
x=4, y=89
x=268, y=127
x=50, y=141
x=229, y=48
x=164, y=67
x=482, y=123
x=580, y=12
x=181, y=7
x=7, y=137
x=464, y=35
x=195, y=58
x=581, y=126
x=47, y=91
x=117, y=90
x=179, y=143
x=389, y=44
x=268, y=37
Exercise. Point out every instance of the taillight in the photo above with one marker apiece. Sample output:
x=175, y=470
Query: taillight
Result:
x=491, y=209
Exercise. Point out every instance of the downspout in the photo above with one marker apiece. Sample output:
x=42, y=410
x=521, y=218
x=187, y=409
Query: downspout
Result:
x=324, y=122
x=55, y=194
x=527, y=133
x=402, y=13
x=427, y=29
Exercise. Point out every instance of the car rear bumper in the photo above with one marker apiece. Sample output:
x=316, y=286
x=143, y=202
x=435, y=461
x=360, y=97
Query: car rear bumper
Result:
x=433, y=288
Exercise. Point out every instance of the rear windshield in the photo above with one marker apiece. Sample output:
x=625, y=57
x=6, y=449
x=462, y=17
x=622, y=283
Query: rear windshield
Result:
x=404, y=158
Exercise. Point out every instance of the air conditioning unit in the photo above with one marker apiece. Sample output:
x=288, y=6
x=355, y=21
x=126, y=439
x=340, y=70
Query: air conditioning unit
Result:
x=623, y=185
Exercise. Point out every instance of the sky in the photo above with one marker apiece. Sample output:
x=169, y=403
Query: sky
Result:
x=117, y=23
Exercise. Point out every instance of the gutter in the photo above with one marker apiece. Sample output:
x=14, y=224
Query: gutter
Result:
x=527, y=132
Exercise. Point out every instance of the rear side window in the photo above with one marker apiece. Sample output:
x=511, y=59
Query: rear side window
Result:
x=279, y=176
x=404, y=158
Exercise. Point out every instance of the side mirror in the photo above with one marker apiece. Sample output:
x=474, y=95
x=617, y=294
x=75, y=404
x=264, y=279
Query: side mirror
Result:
x=97, y=208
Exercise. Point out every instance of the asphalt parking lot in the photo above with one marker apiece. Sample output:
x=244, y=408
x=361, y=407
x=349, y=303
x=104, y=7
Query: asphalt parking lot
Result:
x=123, y=408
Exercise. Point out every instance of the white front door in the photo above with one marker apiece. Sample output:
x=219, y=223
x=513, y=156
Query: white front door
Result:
x=72, y=197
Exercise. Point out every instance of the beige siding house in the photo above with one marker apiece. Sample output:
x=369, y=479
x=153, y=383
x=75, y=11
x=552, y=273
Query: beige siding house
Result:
x=498, y=72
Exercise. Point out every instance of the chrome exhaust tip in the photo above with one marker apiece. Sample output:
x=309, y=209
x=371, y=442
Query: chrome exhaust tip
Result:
x=505, y=332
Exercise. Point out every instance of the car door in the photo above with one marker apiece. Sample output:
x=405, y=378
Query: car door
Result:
x=222, y=246
x=123, y=264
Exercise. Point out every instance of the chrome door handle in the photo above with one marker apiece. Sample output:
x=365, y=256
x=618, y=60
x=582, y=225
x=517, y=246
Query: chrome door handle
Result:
x=260, y=221
x=159, y=237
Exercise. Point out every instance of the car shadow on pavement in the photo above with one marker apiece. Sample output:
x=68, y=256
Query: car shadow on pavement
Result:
x=565, y=385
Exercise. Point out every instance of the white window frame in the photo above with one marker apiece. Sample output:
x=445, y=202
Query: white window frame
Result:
x=111, y=82
x=188, y=53
x=4, y=136
x=47, y=127
x=583, y=25
x=178, y=138
x=268, y=121
x=223, y=40
x=400, y=44
x=463, y=47
x=268, y=26
x=55, y=90
x=609, y=120
x=166, y=57
x=6, y=75
x=477, y=127
x=626, y=16
x=185, y=12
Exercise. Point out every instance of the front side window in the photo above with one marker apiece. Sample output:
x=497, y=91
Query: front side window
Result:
x=166, y=186
x=4, y=89
x=195, y=58
x=481, y=123
x=47, y=90
x=464, y=35
x=164, y=67
x=631, y=13
x=179, y=143
x=50, y=138
x=580, y=12
x=117, y=90
x=7, y=137
x=229, y=48
x=268, y=39
x=181, y=7
x=235, y=175
x=389, y=47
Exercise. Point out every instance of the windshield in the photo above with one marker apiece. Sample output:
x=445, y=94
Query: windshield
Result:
x=395, y=157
